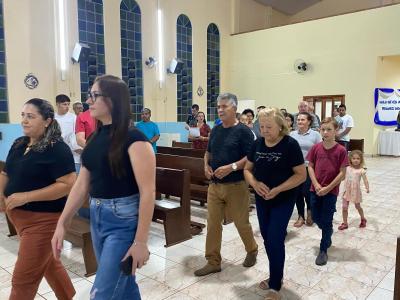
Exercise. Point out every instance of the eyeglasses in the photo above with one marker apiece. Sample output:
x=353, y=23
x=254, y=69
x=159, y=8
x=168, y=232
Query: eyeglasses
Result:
x=94, y=95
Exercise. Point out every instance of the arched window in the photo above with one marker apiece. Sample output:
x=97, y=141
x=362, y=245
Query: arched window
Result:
x=91, y=32
x=3, y=75
x=184, y=80
x=213, y=59
x=131, y=54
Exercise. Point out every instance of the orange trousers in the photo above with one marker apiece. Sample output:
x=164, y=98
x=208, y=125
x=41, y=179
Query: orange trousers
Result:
x=35, y=258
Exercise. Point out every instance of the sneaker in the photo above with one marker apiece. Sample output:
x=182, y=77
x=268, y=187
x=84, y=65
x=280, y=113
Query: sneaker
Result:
x=250, y=259
x=207, y=269
x=344, y=226
x=299, y=222
x=321, y=259
x=363, y=223
x=272, y=295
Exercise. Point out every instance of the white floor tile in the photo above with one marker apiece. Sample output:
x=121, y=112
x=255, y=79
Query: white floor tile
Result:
x=380, y=294
x=361, y=261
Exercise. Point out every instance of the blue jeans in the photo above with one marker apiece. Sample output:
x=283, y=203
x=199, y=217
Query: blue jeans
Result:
x=113, y=223
x=273, y=219
x=322, y=210
x=77, y=168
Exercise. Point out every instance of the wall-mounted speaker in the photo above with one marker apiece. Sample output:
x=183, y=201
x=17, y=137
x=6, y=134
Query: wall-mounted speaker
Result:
x=175, y=66
x=80, y=53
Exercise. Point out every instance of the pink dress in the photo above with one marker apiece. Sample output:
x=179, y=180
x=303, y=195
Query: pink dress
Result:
x=352, y=192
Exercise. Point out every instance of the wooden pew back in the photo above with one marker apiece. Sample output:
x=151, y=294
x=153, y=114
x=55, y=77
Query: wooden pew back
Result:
x=193, y=164
x=199, y=153
x=182, y=144
x=356, y=145
x=175, y=217
x=11, y=229
x=166, y=179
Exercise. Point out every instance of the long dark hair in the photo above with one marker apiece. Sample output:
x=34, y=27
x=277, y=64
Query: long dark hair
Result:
x=52, y=133
x=117, y=99
x=205, y=120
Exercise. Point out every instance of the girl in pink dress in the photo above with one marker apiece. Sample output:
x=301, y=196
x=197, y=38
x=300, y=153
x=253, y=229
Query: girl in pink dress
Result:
x=352, y=186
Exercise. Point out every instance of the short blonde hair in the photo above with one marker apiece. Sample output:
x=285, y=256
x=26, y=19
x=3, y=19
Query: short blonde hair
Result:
x=277, y=116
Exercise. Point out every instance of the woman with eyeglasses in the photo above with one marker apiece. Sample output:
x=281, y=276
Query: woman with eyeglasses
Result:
x=118, y=172
x=39, y=173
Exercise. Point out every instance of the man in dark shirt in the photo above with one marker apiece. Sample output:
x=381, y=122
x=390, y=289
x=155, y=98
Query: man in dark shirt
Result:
x=224, y=161
x=192, y=119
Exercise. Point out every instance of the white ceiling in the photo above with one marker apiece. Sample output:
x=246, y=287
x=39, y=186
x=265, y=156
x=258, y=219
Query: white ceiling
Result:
x=289, y=7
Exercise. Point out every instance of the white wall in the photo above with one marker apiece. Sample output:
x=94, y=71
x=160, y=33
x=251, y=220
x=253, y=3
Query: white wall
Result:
x=30, y=44
x=342, y=51
x=327, y=8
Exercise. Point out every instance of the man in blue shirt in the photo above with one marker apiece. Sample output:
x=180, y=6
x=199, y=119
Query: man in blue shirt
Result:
x=149, y=128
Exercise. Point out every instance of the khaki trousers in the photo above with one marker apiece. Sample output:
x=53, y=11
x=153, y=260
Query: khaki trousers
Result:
x=35, y=258
x=234, y=199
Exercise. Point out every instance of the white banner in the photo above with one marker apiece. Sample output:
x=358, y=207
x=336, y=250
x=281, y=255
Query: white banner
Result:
x=387, y=106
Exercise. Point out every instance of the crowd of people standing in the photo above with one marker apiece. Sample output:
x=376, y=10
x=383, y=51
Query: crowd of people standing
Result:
x=287, y=159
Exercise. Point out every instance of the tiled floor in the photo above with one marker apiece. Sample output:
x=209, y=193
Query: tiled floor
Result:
x=361, y=261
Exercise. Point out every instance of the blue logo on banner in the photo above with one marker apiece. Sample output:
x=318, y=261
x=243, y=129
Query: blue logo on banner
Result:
x=387, y=106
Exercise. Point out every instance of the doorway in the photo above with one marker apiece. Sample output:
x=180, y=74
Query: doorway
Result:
x=325, y=105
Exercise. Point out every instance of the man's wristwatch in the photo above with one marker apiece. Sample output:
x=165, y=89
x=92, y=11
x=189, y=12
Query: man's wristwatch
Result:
x=234, y=166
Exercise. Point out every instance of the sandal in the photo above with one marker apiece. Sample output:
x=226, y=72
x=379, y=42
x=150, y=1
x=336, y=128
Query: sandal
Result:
x=299, y=222
x=272, y=295
x=363, y=223
x=264, y=285
x=343, y=226
x=309, y=220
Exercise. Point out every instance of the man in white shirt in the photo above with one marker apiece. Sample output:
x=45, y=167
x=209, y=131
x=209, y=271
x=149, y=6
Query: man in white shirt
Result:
x=67, y=121
x=346, y=123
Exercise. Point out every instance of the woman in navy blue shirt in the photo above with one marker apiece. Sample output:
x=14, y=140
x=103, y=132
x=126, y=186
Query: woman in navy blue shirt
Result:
x=274, y=168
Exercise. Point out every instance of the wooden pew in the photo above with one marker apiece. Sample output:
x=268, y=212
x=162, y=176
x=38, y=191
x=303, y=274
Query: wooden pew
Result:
x=199, y=153
x=396, y=295
x=175, y=216
x=11, y=228
x=356, y=145
x=78, y=233
x=198, y=180
x=182, y=144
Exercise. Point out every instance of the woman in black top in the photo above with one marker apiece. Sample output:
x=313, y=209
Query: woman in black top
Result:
x=118, y=172
x=38, y=174
x=274, y=168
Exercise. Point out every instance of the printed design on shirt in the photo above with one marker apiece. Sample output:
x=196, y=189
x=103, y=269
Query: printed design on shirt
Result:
x=339, y=120
x=268, y=156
